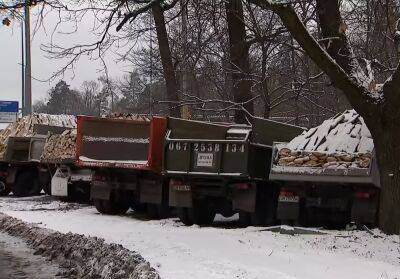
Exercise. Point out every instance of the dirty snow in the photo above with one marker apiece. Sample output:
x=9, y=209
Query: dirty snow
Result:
x=222, y=251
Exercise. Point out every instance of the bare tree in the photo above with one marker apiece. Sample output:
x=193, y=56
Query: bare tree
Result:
x=377, y=104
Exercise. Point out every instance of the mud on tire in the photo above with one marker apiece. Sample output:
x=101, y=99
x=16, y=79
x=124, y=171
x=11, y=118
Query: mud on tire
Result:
x=27, y=184
x=110, y=207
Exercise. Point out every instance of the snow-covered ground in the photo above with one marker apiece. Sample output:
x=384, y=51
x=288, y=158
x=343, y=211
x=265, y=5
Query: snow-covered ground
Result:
x=222, y=251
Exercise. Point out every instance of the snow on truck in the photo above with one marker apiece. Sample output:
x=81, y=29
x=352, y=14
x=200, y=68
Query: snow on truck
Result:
x=21, y=146
x=328, y=174
x=126, y=157
x=222, y=168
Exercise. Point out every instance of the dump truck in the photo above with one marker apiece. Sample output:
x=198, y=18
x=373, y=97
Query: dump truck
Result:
x=329, y=175
x=20, y=168
x=222, y=168
x=126, y=158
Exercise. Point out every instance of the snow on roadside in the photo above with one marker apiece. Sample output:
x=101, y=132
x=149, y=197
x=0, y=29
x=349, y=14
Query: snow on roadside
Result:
x=223, y=252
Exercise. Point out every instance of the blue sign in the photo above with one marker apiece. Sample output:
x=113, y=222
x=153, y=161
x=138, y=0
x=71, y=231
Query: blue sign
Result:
x=9, y=106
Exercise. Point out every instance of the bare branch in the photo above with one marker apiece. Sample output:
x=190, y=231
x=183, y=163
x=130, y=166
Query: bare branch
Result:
x=357, y=94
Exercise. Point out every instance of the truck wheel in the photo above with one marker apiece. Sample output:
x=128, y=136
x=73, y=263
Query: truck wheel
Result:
x=152, y=211
x=47, y=189
x=201, y=213
x=4, y=190
x=99, y=205
x=138, y=207
x=26, y=184
x=266, y=205
x=157, y=211
x=183, y=215
x=110, y=207
x=244, y=219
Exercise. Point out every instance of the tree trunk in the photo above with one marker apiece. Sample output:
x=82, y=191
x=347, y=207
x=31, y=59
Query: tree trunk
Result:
x=332, y=26
x=381, y=115
x=166, y=60
x=264, y=83
x=385, y=131
x=383, y=121
x=239, y=58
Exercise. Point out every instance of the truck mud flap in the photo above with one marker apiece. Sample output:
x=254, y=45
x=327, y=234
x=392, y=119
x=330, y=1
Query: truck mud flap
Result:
x=100, y=192
x=151, y=191
x=245, y=199
x=181, y=197
x=59, y=183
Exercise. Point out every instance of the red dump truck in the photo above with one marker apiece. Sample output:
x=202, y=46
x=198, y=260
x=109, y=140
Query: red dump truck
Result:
x=126, y=159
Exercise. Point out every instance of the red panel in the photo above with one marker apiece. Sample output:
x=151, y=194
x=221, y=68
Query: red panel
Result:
x=158, y=129
x=80, y=119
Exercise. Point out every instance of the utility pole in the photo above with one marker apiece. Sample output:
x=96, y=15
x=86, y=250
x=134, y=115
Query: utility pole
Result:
x=22, y=67
x=27, y=108
x=184, y=13
x=151, y=66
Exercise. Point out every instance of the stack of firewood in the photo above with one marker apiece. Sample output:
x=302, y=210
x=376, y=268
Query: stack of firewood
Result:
x=127, y=116
x=60, y=147
x=343, y=141
x=23, y=127
x=287, y=157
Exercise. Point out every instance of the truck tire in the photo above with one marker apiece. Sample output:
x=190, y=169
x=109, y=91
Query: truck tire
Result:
x=47, y=189
x=26, y=184
x=157, y=211
x=266, y=206
x=152, y=211
x=99, y=206
x=201, y=213
x=183, y=215
x=110, y=207
x=4, y=190
x=244, y=219
x=114, y=207
x=138, y=207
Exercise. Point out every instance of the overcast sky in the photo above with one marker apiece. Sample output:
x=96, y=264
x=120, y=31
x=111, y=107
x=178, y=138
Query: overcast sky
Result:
x=42, y=67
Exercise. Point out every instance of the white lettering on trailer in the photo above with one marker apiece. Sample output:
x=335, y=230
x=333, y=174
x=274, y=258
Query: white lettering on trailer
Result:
x=115, y=139
x=183, y=146
x=234, y=147
x=205, y=159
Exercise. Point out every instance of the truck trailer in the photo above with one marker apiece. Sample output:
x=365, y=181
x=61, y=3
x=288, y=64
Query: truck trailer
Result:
x=222, y=168
x=125, y=157
x=21, y=170
x=328, y=175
